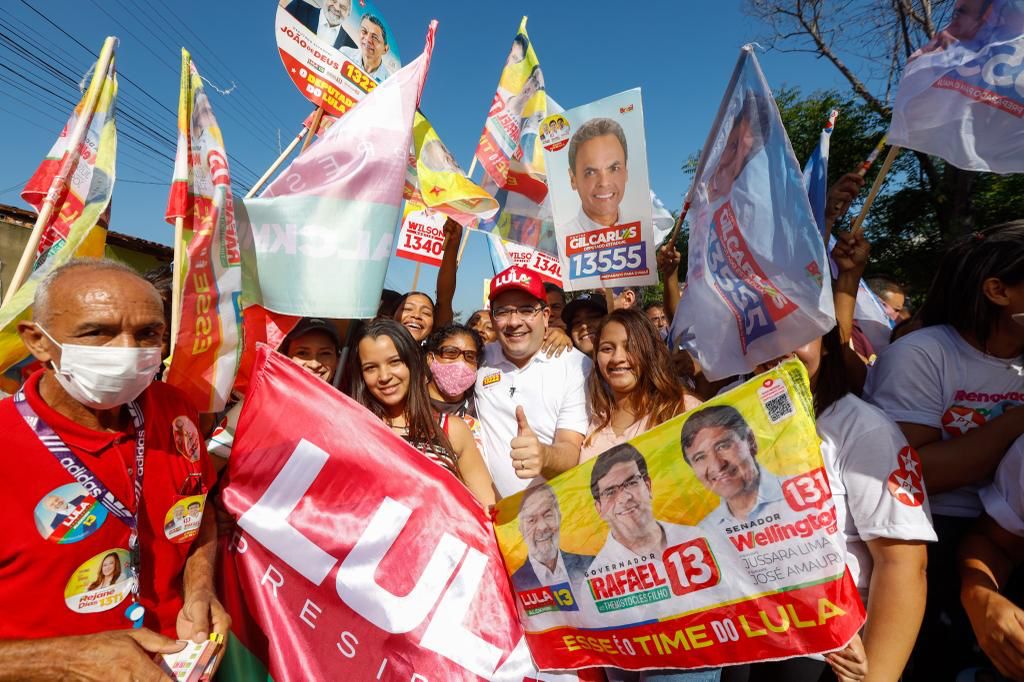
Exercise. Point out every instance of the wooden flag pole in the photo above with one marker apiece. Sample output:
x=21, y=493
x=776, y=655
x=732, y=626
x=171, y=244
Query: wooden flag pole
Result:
x=92, y=95
x=277, y=164
x=462, y=247
x=314, y=127
x=857, y=227
x=176, y=270
x=679, y=221
x=415, y=277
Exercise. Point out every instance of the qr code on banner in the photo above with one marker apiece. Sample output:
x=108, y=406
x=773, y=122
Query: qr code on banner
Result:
x=775, y=397
x=778, y=408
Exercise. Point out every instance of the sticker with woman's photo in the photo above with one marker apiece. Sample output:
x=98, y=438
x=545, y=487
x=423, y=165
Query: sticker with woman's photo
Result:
x=68, y=514
x=101, y=583
x=182, y=521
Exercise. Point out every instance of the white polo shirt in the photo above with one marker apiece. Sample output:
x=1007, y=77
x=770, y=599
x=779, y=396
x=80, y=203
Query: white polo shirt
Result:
x=552, y=393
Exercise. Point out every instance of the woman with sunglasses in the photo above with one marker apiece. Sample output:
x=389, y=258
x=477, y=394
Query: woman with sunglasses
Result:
x=453, y=355
x=389, y=378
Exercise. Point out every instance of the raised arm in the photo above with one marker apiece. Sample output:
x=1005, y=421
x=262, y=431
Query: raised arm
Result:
x=668, y=267
x=443, y=311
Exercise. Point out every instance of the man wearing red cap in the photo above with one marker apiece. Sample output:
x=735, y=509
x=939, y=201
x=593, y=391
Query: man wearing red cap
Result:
x=532, y=408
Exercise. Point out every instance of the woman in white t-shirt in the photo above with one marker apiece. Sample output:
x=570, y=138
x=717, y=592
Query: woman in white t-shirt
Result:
x=951, y=386
x=882, y=510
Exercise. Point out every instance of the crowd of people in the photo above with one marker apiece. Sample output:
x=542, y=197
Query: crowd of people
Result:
x=529, y=388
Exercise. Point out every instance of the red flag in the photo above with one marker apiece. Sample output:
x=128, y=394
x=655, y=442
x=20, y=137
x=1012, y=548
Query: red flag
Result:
x=260, y=326
x=356, y=556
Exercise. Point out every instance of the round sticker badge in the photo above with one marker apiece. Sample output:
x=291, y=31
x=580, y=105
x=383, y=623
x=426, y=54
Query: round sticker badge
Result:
x=186, y=438
x=101, y=583
x=68, y=514
x=959, y=419
x=554, y=132
x=182, y=521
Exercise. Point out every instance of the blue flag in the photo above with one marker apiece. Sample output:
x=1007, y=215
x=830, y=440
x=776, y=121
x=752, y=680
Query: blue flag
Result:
x=816, y=173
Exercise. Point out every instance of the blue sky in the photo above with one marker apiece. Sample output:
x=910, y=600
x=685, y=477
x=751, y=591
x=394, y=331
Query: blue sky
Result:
x=679, y=52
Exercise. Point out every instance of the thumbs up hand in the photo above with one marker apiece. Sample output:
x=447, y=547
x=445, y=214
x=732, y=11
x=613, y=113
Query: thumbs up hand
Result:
x=527, y=451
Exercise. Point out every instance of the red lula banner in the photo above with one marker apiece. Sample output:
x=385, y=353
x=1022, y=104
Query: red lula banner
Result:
x=356, y=557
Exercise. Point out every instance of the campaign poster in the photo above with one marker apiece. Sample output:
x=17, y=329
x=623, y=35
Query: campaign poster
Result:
x=421, y=236
x=709, y=540
x=600, y=195
x=544, y=264
x=335, y=51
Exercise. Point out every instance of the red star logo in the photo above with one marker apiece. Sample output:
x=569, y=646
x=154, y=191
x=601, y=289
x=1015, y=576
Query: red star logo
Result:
x=906, y=488
x=909, y=461
x=437, y=190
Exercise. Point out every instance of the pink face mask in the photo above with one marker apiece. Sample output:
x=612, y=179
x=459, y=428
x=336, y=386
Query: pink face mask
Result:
x=452, y=378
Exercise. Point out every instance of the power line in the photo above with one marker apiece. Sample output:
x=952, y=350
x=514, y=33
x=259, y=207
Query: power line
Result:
x=238, y=163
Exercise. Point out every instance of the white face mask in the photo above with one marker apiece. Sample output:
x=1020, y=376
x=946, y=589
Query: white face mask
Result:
x=104, y=377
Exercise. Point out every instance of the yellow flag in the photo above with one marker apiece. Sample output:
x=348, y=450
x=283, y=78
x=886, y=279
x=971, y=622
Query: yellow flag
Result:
x=435, y=180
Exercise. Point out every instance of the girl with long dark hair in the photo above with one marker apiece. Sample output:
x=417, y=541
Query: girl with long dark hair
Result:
x=389, y=378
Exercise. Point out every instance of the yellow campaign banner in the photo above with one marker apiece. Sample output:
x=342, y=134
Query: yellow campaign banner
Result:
x=508, y=148
x=709, y=540
x=435, y=180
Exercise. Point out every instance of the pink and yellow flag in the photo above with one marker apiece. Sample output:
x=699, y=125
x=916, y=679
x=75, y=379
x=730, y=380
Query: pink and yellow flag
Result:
x=435, y=180
x=204, y=356
x=79, y=180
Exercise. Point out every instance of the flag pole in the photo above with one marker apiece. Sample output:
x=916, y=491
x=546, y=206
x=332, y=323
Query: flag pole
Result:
x=856, y=228
x=472, y=167
x=176, y=270
x=462, y=247
x=277, y=164
x=415, y=277
x=679, y=221
x=313, y=127
x=92, y=95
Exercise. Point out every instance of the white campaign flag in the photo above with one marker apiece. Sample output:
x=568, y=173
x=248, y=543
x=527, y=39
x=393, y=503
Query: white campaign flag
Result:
x=962, y=95
x=757, y=283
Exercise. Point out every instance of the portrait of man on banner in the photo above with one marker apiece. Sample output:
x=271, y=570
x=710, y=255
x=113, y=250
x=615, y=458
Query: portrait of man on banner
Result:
x=596, y=160
x=721, y=448
x=540, y=522
x=325, y=19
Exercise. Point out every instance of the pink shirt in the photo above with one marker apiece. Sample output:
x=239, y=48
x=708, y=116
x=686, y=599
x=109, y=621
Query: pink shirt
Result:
x=599, y=441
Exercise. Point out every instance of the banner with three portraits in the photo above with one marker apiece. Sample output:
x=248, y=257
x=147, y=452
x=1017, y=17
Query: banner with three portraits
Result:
x=709, y=540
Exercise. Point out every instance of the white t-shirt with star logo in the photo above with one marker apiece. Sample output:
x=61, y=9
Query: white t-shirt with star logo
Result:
x=935, y=378
x=1003, y=498
x=876, y=482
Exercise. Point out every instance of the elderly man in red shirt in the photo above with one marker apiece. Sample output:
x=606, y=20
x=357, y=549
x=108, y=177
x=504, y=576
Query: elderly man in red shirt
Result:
x=98, y=569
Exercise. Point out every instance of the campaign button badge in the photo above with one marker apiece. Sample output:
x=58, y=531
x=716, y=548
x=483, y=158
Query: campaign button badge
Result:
x=101, y=583
x=182, y=520
x=68, y=514
x=186, y=438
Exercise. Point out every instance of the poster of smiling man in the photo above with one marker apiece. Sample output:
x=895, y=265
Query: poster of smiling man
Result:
x=335, y=51
x=597, y=174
